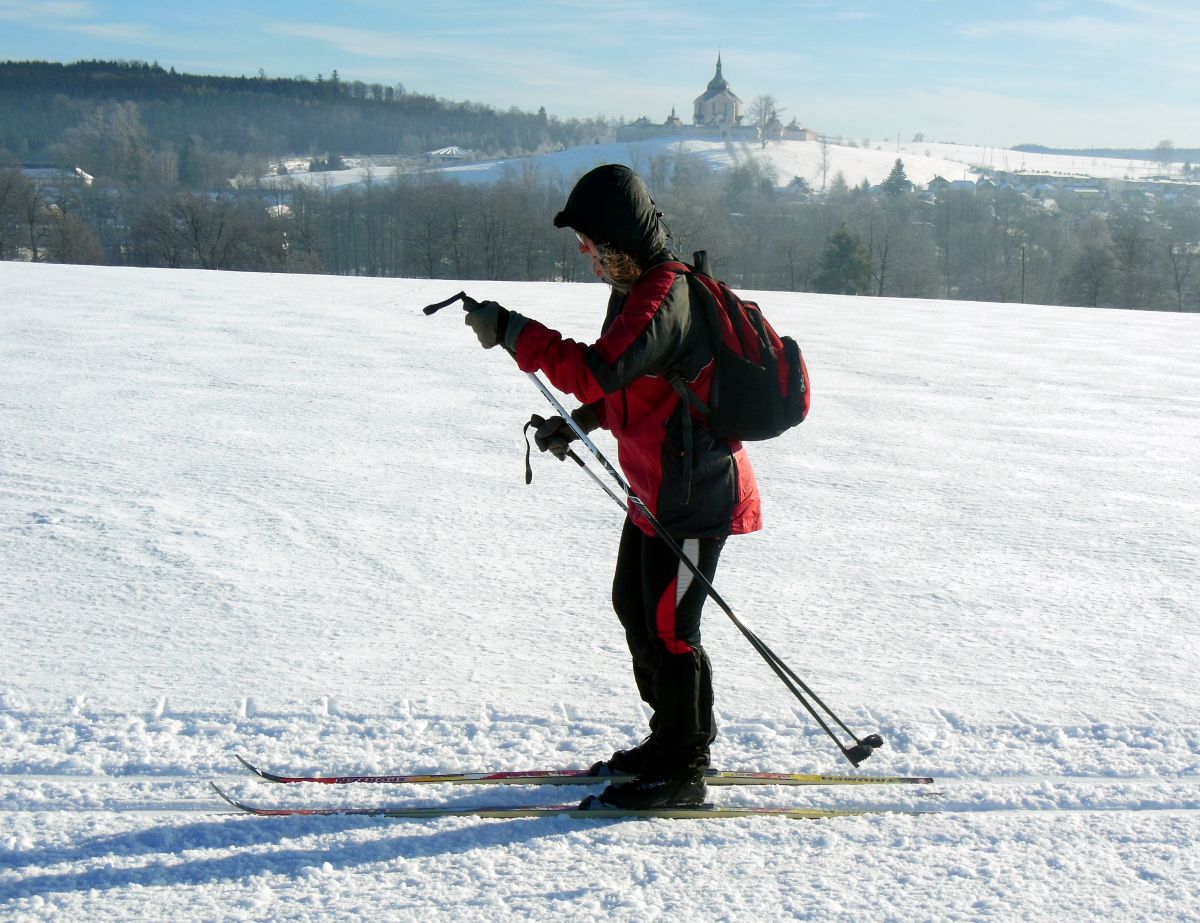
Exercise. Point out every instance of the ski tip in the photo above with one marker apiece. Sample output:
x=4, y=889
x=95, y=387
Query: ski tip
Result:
x=254, y=769
x=261, y=773
x=224, y=795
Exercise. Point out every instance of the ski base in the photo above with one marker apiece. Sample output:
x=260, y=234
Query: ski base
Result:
x=588, y=809
x=584, y=777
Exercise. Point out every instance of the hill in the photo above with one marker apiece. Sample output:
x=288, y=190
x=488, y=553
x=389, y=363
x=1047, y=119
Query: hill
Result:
x=45, y=106
x=788, y=160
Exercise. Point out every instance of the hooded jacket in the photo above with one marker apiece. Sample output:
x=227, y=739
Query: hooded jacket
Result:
x=699, y=490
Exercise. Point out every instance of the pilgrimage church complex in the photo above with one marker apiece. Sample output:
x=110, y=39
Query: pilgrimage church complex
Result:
x=716, y=113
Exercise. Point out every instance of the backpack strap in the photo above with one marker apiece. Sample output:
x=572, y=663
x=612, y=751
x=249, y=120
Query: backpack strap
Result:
x=689, y=398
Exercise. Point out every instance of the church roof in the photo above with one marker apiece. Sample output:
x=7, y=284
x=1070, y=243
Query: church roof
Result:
x=718, y=85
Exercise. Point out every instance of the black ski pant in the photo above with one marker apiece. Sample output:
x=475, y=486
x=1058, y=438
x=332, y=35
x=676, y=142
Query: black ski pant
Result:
x=658, y=601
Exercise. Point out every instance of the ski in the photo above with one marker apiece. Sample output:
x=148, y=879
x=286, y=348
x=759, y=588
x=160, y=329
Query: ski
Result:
x=584, y=777
x=588, y=808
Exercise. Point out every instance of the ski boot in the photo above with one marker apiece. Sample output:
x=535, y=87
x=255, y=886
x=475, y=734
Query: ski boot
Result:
x=655, y=789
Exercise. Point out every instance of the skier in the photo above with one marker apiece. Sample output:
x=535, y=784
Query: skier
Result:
x=700, y=487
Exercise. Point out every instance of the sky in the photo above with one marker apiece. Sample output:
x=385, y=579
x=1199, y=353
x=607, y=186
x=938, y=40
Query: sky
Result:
x=1064, y=73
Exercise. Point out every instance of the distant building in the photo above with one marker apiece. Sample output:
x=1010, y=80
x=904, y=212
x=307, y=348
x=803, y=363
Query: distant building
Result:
x=718, y=106
x=716, y=113
x=793, y=132
x=447, y=153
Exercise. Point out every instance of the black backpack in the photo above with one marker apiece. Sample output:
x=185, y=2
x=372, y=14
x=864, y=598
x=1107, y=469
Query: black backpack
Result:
x=760, y=385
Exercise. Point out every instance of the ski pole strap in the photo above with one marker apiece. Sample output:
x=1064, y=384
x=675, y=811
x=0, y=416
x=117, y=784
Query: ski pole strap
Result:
x=535, y=421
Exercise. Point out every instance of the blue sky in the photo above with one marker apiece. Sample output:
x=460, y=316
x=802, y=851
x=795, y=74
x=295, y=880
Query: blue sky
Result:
x=1058, y=72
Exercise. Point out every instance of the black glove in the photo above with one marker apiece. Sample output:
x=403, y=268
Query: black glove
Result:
x=489, y=321
x=554, y=436
x=495, y=325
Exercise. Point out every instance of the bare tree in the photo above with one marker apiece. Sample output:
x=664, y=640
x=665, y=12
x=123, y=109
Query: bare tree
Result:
x=1090, y=275
x=14, y=192
x=762, y=111
x=1164, y=154
x=72, y=240
x=1180, y=244
x=31, y=208
x=215, y=229
x=825, y=162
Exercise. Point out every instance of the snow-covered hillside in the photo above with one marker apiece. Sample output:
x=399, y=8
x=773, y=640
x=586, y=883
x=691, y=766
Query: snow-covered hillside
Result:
x=286, y=516
x=789, y=159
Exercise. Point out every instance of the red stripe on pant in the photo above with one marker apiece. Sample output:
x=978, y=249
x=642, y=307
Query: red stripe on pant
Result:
x=665, y=621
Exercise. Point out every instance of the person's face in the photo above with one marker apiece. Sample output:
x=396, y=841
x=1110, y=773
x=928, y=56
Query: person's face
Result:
x=588, y=247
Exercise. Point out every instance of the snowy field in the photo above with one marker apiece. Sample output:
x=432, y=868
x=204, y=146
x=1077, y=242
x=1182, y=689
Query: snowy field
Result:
x=285, y=516
x=789, y=159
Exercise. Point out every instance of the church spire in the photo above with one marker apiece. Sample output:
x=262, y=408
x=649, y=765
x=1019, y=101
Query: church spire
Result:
x=718, y=83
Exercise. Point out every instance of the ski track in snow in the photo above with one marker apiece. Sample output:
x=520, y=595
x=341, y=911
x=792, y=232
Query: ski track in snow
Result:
x=285, y=516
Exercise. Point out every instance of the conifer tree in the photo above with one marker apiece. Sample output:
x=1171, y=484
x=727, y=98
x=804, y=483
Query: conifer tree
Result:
x=897, y=182
x=845, y=267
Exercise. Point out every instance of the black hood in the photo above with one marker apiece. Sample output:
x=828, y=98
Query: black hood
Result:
x=611, y=206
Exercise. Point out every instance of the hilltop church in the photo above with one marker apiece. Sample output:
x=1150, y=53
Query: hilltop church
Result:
x=716, y=113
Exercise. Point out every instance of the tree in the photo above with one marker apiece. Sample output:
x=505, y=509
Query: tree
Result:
x=218, y=231
x=826, y=160
x=761, y=113
x=111, y=143
x=1089, y=278
x=845, y=267
x=899, y=245
x=71, y=240
x=31, y=205
x=15, y=191
x=838, y=188
x=897, y=182
x=1181, y=251
x=1134, y=251
x=1164, y=154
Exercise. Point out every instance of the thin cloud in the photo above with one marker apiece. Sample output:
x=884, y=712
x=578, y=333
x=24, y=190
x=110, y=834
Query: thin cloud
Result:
x=126, y=32
x=14, y=11
x=1079, y=30
x=81, y=18
x=498, y=58
x=1166, y=13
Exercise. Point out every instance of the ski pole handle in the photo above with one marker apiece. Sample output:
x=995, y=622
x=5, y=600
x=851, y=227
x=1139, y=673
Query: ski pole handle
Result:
x=469, y=303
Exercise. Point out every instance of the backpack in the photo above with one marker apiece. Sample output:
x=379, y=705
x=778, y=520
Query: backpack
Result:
x=760, y=385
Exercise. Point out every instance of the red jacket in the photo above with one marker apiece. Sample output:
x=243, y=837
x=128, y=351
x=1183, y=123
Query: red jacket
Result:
x=649, y=337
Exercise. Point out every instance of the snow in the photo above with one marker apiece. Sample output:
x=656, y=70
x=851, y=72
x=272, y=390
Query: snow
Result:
x=286, y=516
x=789, y=159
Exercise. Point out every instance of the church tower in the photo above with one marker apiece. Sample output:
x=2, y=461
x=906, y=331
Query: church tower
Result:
x=717, y=107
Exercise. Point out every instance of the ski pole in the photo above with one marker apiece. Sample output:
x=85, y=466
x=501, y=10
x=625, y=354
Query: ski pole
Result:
x=863, y=747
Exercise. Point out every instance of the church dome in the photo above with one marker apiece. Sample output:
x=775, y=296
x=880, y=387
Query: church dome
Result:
x=718, y=84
